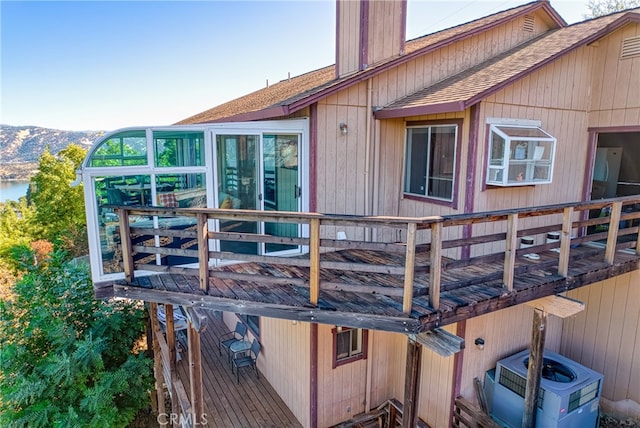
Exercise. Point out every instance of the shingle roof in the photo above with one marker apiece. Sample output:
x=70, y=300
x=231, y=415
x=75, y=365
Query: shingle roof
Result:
x=290, y=95
x=466, y=88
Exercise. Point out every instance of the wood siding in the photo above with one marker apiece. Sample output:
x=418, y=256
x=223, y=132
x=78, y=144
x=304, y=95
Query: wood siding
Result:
x=348, y=37
x=606, y=336
x=616, y=82
x=386, y=31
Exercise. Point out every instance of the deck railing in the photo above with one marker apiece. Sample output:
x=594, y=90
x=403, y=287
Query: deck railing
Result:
x=427, y=244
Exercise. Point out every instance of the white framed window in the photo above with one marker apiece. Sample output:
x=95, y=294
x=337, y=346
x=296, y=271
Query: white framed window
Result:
x=349, y=344
x=430, y=160
x=520, y=155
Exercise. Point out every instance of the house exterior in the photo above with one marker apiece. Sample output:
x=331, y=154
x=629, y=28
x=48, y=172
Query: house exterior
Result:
x=507, y=111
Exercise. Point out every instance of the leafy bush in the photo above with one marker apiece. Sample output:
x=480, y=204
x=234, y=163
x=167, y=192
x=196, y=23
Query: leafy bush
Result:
x=67, y=359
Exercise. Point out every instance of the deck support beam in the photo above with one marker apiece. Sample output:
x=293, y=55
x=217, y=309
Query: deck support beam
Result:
x=411, y=384
x=171, y=344
x=534, y=372
x=195, y=376
x=125, y=243
x=314, y=261
x=439, y=341
x=157, y=358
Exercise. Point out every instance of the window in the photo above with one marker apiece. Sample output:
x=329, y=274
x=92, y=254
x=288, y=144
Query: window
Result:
x=430, y=157
x=520, y=156
x=127, y=148
x=349, y=344
x=178, y=148
x=253, y=322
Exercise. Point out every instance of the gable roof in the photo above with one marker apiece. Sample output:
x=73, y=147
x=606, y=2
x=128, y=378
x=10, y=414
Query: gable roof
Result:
x=294, y=94
x=461, y=91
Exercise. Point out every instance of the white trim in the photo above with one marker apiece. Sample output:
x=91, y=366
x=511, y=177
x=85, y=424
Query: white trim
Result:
x=515, y=122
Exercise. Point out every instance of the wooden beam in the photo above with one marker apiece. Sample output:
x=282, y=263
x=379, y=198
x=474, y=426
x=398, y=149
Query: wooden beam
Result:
x=197, y=318
x=195, y=376
x=203, y=251
x=314, y=261
x=409, y=268
x=440, y=341
x=565, y=242
x=157, y=358
x=534, y=372
x=125, y=245
x=560, y=306
x=411, y=384
x=436, y=265
x=612, y=236
x=511, y=245
x=171, y=366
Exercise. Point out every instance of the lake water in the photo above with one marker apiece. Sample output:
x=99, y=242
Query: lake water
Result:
x=13, y=190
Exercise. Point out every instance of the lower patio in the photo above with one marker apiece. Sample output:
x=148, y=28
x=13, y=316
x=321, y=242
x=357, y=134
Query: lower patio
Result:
x=250, y=403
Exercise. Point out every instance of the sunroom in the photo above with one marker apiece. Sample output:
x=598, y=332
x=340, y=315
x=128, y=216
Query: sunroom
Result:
x=253, y=166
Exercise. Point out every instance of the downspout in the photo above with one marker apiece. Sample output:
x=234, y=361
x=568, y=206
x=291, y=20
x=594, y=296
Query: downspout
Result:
x=368, y=211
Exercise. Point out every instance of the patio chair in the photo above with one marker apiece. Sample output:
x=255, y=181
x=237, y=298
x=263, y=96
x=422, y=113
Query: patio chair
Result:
x=248, y=360
x=227, y=339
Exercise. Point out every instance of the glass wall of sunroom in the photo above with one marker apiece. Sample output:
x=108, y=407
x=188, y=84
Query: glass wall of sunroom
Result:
x=190, y=167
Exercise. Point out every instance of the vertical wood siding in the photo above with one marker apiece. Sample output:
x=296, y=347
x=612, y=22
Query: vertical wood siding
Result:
x=384, y=40
x=616, y=82
x=348, y=37
x=606, y=336
x=285, y=361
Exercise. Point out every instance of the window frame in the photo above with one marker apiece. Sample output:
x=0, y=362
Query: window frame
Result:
x=511, y=160
x=362, y=355
x=453, y=201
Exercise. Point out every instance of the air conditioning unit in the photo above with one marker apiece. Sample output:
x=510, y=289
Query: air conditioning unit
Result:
x=569, y=392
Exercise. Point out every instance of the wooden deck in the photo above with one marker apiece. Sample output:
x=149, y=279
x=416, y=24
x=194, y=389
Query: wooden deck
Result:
x=407, y=286
x=467, y=291
x=251, y=403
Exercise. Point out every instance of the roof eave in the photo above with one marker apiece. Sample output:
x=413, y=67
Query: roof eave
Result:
x=267, y=113
x=394, y=113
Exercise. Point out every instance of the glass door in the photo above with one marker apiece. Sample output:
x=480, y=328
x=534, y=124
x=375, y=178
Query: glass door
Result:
x=259, y=173
x=281, y=186
x=238, y=174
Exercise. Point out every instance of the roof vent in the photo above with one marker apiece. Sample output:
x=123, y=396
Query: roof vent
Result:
x=630, y=47
x=529, y=22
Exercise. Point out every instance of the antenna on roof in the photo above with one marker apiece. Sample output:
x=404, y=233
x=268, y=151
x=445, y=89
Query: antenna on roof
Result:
x=267, y=83
x=289, y=76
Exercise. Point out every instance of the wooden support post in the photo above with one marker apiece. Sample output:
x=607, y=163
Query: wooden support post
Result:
x=125, y=245
x=612, y=237
x=534, y=372
x=314, y=261
x=411, y=384
x=511, y=245
x=195, y=375
x=157, y=358
x=565, y=242
x=409, y=268
x=171, y=344
x=435, y=272
x=203, y=251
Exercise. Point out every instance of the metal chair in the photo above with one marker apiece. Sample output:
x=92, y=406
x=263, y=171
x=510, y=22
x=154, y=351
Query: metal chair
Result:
x=227, y=339
x=248, y=360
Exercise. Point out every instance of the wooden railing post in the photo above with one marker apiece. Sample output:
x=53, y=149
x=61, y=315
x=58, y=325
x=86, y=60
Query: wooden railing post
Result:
x=157, y=358
x=314, y=260
x=409, y=268
x=511, y=245
x=565, y=242
x=195, y=375
x=612, y=237
x=171, y=343
x=435, y=271
x=125, y=245
x=203, y=251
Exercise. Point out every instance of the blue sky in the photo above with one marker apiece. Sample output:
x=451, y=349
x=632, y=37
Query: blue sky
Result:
x=91, y=65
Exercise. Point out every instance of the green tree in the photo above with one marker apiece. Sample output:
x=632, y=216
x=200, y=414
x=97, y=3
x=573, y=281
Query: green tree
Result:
x=66, y=359
x=59, y=207
x=16, y=226
x=605, y=7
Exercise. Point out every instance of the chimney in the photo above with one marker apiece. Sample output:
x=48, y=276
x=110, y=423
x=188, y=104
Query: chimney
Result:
x=368, y=31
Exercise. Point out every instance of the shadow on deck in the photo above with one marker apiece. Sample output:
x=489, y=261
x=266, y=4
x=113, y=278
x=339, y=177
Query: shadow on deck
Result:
x=251, y=403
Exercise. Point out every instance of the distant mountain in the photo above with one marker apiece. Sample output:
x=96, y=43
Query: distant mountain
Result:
x=21, y=147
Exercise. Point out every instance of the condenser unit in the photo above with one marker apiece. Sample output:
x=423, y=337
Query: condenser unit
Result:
x=569, y=393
